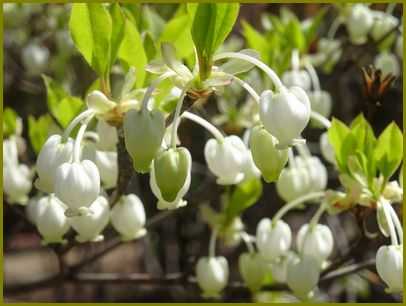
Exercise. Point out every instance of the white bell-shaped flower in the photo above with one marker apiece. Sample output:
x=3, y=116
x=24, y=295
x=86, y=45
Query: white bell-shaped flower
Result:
x=329, y=50
x=315, y=241
x=389, y=264
x=128, y=217
x=106, y=162
x=326, y=148
x=249, y=168
x=387, y=63
x=299, y=78
x=77, y=184
x=108, y=137
x=89, y=226
x=35, y=58
x=317, y=172
x=170, y=177
x=383, y=23
x=212, y=275
x=359, y=22
x=232, y=234
x=293, y=182
x=10, y=152
x=17, y=183
x=320, y=101
x=285, y=114
x=302, y=276
x=51, y=220
x=273, y=240
x=98, y=102
x=279, y=268
x=34, y=208
x=251, y=267
x=226, y=159
x=53, y=154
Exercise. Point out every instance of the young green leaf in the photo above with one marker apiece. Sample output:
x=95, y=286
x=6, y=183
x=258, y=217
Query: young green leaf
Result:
x=38, y=131
x=294, y=35
x=245, y=195
x=61, y=105
x=132, y=51
x=256, y=41
x=337, y=134
x=211, y=25
x=117, y=33
x=91, y=28
x=310, y=32
x=9, y=122
x=389, y=150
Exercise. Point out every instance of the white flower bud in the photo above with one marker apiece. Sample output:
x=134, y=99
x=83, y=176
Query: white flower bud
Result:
x=285, y=114
x=232, y=234
x=98, y=102
x=17, y=183
x=298, y=78
x=383, y=24
x=359, y=23
x=77, y=184
x=302, y=276
x=34, y=208
x=53, y=154
x=273, y=240
x=251, y=266
x=327, y=149
x=320, y=102
x=128, y=217
x=317, y=172
x=51, y=220
x=387, y=63
x=226, y=159
x=35, y=58
x=89, y=226
x=108, y=136
x=389, y=264
x=330, y=50
x=212, y=275
x=317, y=242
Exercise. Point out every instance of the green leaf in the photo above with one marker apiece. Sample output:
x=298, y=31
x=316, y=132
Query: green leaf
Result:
x=245, y=195
x=9, y=122
x=337, y=134
x=389, y=150
x=178, y=32
x=60, y=104
x=294, y=35
x=38, y=131
x=256, y=41
x=117, y=34
x=91, y=29
x=132, y=51
x=311, y=31
x=211, y=25
x=150, y=47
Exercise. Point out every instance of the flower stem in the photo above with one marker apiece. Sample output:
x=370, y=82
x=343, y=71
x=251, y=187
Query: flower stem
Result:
x=313, y=75
x=285, y=208
x=389, y=220
x=292, y=161
x=247, y=87
x=334, y=27
x=398, y=225
x=176, y=118
x=79, y=138
x=248, y=242
x=315, y=220
x=152, y=87
x=212, y=244
x=75, y=122
x=204, y=123
x=321, y=119
x=295, y=61
x=271, y=74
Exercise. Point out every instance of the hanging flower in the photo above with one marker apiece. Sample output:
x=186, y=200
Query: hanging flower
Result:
x=212, y=275
x=51, y=220
x=383, y=24
x=128, y=217
x=226, y=159
x=170, y=177
x=108, y=137
x=17, y=183
x=273, y=240
x=89, y=226
x=285, y=114
x=389, y=264
x=299, y=78
x=252, y=270
x=326, y=149
x=53, y=153
x=387, y=63
x=359, y=22
x=77, y=184
x=320, y=101
x=302, y=276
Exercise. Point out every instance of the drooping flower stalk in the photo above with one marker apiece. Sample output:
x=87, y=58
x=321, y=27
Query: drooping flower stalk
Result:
x=204, y=123
x=248, y=240
x=396, y=222
x=321, y=119
x=176, y=118
x=79, y=138
x=389, y=221
x=212, y=244
x=247, y=87
x=82, y=116
x=152, y=87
